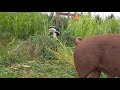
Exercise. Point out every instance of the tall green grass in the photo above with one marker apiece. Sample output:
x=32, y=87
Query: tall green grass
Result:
x=87, y=26
x=22, y=25
x=64, y=54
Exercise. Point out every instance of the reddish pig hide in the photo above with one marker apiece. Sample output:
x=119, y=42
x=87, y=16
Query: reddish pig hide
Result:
x=99, y=53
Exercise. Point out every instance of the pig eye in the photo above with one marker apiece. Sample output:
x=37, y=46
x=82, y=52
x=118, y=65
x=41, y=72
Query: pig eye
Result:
x=80, y=38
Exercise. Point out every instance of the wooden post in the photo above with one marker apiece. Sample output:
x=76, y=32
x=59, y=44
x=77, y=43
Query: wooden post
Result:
x=89, y=13
x=81, y=13
x=51, y=16
x=57, y=20
x=68, y=15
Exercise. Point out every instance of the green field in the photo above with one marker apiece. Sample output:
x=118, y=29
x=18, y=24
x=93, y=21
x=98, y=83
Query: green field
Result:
x=27, y=51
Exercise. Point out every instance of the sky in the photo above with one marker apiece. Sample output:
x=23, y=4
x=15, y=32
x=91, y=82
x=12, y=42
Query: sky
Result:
x=104, y=14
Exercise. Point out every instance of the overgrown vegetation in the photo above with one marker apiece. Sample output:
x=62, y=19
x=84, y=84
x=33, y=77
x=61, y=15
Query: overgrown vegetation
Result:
x=26, y=49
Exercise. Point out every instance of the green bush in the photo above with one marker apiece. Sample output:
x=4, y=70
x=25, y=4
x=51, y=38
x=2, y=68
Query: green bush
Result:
x=46, y=41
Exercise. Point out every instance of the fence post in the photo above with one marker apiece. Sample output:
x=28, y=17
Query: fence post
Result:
x=68, y=15
x=57, y=20
x=51, y=16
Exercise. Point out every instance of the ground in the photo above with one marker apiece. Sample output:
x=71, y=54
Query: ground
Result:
x=37, y=69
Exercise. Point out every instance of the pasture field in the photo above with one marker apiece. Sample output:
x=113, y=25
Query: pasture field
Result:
x=27, y=50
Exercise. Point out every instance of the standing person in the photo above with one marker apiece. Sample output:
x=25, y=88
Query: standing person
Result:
x=76, y=17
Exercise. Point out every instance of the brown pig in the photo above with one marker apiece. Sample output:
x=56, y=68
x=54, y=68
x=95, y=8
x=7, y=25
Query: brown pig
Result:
x=96, y=54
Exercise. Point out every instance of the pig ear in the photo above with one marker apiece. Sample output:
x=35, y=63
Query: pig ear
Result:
x=77, y=40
